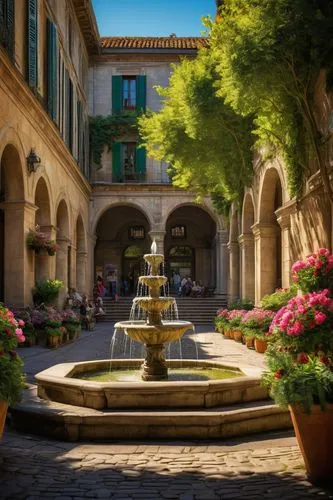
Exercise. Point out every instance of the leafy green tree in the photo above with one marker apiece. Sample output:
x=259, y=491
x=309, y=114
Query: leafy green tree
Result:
x=271, y=54
x=205, y=141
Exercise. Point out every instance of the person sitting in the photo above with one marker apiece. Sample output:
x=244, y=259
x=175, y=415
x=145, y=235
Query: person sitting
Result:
x=99, y=311
x=87, y=314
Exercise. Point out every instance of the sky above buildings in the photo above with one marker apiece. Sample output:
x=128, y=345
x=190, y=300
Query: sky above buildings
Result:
x=152, y=17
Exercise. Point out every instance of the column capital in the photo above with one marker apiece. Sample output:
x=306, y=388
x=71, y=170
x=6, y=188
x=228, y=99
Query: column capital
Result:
x=246, y=240
x=19, y=205
x=283, y=214
x=264, y=230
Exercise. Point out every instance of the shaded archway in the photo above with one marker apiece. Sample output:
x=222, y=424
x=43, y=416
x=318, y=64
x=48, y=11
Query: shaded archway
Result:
x=234, y=260
x=122, y=238
x=191, y=227
x=81, y=257
x=13, y=252
x=268, y=236
x=246, y=243
x=44, y=264
x=63, y=252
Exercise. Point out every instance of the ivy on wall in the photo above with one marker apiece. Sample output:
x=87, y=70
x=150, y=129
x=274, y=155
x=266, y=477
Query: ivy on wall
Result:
x=104, y=130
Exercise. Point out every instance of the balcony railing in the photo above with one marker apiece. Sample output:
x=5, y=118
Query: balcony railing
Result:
x=156, y=175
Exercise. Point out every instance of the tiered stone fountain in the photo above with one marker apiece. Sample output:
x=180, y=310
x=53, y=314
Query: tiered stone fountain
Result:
x=155, y=332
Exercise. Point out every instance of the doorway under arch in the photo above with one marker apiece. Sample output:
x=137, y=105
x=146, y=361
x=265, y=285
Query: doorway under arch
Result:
x=81, y=257
x=246, y=243
x=43, y=221
x=62, y=255
x=12, y=234
x=191, y=231
x=268, y=237
x=122, y=238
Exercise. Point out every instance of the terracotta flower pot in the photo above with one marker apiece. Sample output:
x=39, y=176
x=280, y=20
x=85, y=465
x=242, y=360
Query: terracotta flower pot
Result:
x=249, y=341
x=314, y=433
x=226, y=332
x=53, y=341
x=238, y=335
x=231, y=333
x=3, y=413
x=260, y=345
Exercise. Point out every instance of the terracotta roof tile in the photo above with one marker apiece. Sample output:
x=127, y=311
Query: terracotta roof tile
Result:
x=170, y=42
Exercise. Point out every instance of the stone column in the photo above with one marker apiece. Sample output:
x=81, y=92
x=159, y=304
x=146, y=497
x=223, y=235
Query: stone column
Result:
x=233, y=292
x=81, y=273
x=246, y=244
x=158, y=236
x=45, y=263
x=222, y=260
x=19, y=276
x=265, y=258
x=62, y=268
x=283, y=215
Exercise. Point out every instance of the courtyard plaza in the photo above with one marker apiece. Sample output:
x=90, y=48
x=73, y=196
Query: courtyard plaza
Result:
x=260, y=466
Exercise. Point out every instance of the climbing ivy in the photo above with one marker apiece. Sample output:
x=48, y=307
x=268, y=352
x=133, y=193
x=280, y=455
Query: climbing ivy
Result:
x=105, y=129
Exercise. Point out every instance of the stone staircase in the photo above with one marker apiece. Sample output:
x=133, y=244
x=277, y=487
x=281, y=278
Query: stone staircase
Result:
x=198, y=310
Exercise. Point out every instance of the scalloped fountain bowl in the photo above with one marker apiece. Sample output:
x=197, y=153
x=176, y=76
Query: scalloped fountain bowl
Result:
x=168, y=331
x=151, y=304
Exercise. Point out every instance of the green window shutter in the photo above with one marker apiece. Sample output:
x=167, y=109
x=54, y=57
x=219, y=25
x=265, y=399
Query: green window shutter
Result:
x=7, y=26
x=141, y=92
x=140, y=164
x=52, y=82
x=70, y=115
x=32, y=42
x=117, y=94
x=116, y=162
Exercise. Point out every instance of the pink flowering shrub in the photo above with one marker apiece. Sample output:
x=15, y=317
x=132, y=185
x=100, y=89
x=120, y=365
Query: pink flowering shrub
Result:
x=235, y=317
x=222, y=319
x=315, y=272
x=69, y=316
x=300, y=359
x=11, y=334
x=258, y=319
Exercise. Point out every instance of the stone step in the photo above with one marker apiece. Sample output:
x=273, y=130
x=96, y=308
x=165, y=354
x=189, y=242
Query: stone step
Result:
x=75, y=423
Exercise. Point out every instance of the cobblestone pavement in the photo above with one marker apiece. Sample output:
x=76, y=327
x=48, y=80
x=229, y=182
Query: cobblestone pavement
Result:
x=266, y=467
x=34, y=468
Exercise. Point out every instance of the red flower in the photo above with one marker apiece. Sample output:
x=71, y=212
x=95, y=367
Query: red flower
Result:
x=303, y=358
x=325, y=360
x=279, y=373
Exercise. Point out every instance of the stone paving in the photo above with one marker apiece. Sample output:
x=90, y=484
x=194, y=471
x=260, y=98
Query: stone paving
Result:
x=266, y=467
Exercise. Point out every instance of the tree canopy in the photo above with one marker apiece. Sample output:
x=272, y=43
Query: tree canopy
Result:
x=270, y=54
x=207, y=144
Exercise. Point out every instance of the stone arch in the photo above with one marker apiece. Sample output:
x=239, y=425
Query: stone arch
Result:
x=13, y=253
x=121, y=226
x=219, y=221
x=246, y=243
x=63, y=252
x=81, y=256
x=192, y=225
x=141, y=208
x=267, y=233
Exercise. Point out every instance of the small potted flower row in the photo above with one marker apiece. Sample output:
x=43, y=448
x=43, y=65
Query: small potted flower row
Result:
x=250, y=327
x=49, y=327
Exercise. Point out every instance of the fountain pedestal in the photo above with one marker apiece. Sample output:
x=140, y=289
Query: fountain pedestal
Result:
x=154, y=367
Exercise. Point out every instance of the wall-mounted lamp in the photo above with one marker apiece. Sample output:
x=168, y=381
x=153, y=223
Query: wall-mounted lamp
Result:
x=33, y=161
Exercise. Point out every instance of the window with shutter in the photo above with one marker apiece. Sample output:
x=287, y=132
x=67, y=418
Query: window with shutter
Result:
x=140, y=164
x=117, y=83
x=141, y=84
x=116, y=162
x=7, y=26
x=51, y=65
x=70, y=115
x=32, y=14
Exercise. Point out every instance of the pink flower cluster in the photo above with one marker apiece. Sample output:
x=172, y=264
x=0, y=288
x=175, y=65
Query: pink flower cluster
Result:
x=257, y=318
x=223, y=313
x=237, y=314
x=321, y=262
x=11, y=325
x=303, y=313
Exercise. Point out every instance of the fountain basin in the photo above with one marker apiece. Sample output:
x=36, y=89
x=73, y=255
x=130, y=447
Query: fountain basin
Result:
x=58, y=384
x=153, y=281
x=154, y=305
x=168, y=331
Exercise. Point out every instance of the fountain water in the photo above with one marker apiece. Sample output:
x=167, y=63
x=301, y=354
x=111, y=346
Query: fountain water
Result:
x=154, y=332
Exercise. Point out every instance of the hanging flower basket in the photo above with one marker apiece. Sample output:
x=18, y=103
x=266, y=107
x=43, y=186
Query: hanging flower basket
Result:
x=38, y=241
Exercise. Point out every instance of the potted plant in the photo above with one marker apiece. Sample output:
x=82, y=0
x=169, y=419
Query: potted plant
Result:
x=38, y=318
x=300, y=374
x=235, y=318
x=222, y=321
x=46, y=291
x=72, y=323
x=11, y=379
x=278, y=299
x=255, y=325
x=37, y=240
x=53, y=336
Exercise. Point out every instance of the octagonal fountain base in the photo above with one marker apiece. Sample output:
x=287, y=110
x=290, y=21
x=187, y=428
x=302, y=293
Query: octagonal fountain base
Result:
x=74, y=409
